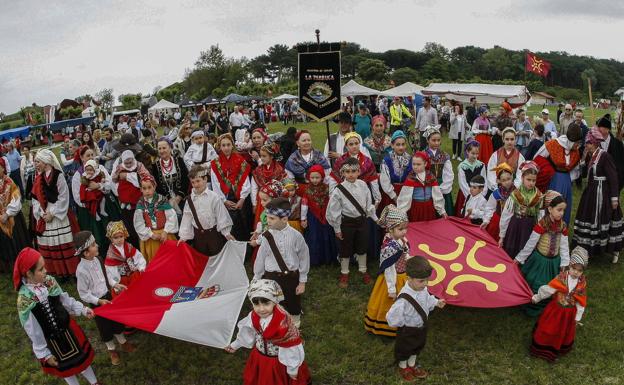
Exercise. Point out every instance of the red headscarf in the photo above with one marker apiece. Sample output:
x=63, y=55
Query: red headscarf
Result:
x=423, y=155
x=26, y=259
x=316, y=168
x=261, y=131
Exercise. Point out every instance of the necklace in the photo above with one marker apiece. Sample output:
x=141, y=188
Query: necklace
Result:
x=167, y=166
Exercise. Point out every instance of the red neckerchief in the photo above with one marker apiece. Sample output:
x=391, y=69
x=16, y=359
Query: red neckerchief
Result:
x=234, y=169
x=264, y=174
x=280, y=331
x=317, y=197
x=114, y=258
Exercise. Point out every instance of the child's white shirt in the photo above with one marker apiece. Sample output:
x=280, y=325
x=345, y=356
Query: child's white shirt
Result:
x=402, y=313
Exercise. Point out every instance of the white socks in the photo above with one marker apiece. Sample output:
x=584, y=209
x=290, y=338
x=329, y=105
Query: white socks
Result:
x=344, y=265
x=402, y=364
x=616, y=256
x=412, y=361
x=297, y=320
x=110, y=345
x=87, y=373
x=361, y=260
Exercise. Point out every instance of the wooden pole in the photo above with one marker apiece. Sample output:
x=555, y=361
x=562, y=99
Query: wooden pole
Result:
x=318, y=46
x=591, y=101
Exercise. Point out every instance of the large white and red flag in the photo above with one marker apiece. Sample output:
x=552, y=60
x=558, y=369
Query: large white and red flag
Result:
x=185, y=295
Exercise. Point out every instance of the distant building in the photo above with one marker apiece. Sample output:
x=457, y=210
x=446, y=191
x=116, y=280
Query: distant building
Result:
x=541, y=98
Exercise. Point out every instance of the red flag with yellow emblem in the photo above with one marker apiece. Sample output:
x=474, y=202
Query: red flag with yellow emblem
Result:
x=536, y=65
x=470, y=269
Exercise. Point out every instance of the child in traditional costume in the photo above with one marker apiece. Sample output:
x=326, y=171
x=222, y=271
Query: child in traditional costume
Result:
x=498, y=198
x=319, y=234
x=200, y=152
x=546, y=251
x=14, y=235
x=268, y=170
x=205, y=220
x=394, y=170
x=440, y=166
x=155, y=220
x=369, y=175
x=554, y=332
x=421, y=196
x=283, y=256
x=598, y=224
x=124, y=263
x=349, y=207
x=507, y=154
x=90, y=184
x=468, y=168
x=277, y=356
x=474, y=207
x=45, y=310
x=291, y=191
x=94, y=289
x=410, y=314
x=271, y=190
x=127, y=175
x=230, y=181
x=521, y=211
x=392, y=277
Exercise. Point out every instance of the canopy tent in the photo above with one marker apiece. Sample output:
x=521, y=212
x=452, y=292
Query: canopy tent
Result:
x=163, y=105
x=353, y=88
x=58, y=126
x=286, y=97
x=189, y=102
x=234, y=98
x=485, y=93
x=620, y=93
x=404, y=90
x=210, y=100
x=15, y=132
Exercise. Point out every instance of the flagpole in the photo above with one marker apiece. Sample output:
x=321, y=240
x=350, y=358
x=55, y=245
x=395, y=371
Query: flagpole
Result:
x=526, y=60
x=591, y=102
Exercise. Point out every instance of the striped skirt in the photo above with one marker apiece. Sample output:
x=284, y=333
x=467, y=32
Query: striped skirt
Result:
x=56, y=245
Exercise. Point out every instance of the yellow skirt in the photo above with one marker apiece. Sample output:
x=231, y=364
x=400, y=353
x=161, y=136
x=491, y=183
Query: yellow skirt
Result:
x=296, y=225
x=150, y=247
x=378, y=305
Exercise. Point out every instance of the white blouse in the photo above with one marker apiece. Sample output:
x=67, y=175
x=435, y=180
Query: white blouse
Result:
x=491, y=175
x=527, y=250
x=404, y=201
x=105, y=185
x=339, y=205
x=59, y=208
x=547, y=291
x=91, y=283
x=145, y=233
x=291, y=357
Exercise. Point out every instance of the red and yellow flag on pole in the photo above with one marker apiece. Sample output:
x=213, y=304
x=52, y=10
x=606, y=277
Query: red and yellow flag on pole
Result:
x=536, y=65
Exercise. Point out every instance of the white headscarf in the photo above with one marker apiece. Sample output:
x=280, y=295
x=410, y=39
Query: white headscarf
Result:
x=95, y=166
x=46, y=156
x=127, y=155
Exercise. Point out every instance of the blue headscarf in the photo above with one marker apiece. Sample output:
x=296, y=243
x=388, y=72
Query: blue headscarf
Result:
x=398, y=134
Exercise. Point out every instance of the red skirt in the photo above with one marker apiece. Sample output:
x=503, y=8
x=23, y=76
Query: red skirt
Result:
x=493, y=228
x=554, y=331
x=385, y=199
x=126, y=280
x=266, y=370
x=421, y=211
x=83, y=345
x=459, y=204
x=486, y=148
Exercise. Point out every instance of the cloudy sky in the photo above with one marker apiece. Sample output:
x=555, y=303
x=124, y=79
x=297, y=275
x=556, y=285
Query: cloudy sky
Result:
x=50, y=50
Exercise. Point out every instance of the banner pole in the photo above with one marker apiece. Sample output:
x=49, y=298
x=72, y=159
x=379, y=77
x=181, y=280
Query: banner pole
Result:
x=318, y=47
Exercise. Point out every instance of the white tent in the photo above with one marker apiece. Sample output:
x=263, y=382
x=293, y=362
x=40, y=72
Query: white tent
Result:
x=485, y=93
x=286, y=97
x=163, y=105
x=404, y=90
x=353, y=88
x=87, y=112
x=620, y=93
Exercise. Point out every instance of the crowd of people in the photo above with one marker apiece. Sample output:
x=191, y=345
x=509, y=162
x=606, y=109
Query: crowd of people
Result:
x=206, y=182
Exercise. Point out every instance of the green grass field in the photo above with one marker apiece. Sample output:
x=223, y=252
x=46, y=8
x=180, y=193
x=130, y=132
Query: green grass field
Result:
x=465, y=346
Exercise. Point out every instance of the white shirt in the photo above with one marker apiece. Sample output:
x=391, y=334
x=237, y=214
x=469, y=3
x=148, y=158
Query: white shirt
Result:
x=464, y=185
x=211, y=212
x=426, y=117
x=402, y=313
x=404, y=201
x=546, y=291
x=195, y=153
x=477, y=204
x=291, y=357
x=59, y=208
x=294, y=251
x=236, y=119
x=145, y=233
x=339, y=205
x=91, y=283
x=447, y=175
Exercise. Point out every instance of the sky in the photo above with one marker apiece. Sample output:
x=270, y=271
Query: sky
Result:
x=51, y=50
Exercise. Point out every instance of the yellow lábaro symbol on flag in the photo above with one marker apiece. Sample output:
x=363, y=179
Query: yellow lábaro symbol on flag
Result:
x=471, y=261
x=470, y=269
x=536, y=66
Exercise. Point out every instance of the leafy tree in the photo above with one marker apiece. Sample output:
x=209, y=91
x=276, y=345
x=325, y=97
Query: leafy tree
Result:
x=212, y=58
x=372, y=70
x=130, y=101
x=404, y=74
x=107, y=99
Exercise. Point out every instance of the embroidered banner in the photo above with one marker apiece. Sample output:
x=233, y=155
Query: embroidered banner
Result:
x=469, y=268
x=185, y=295
x=319, y=84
